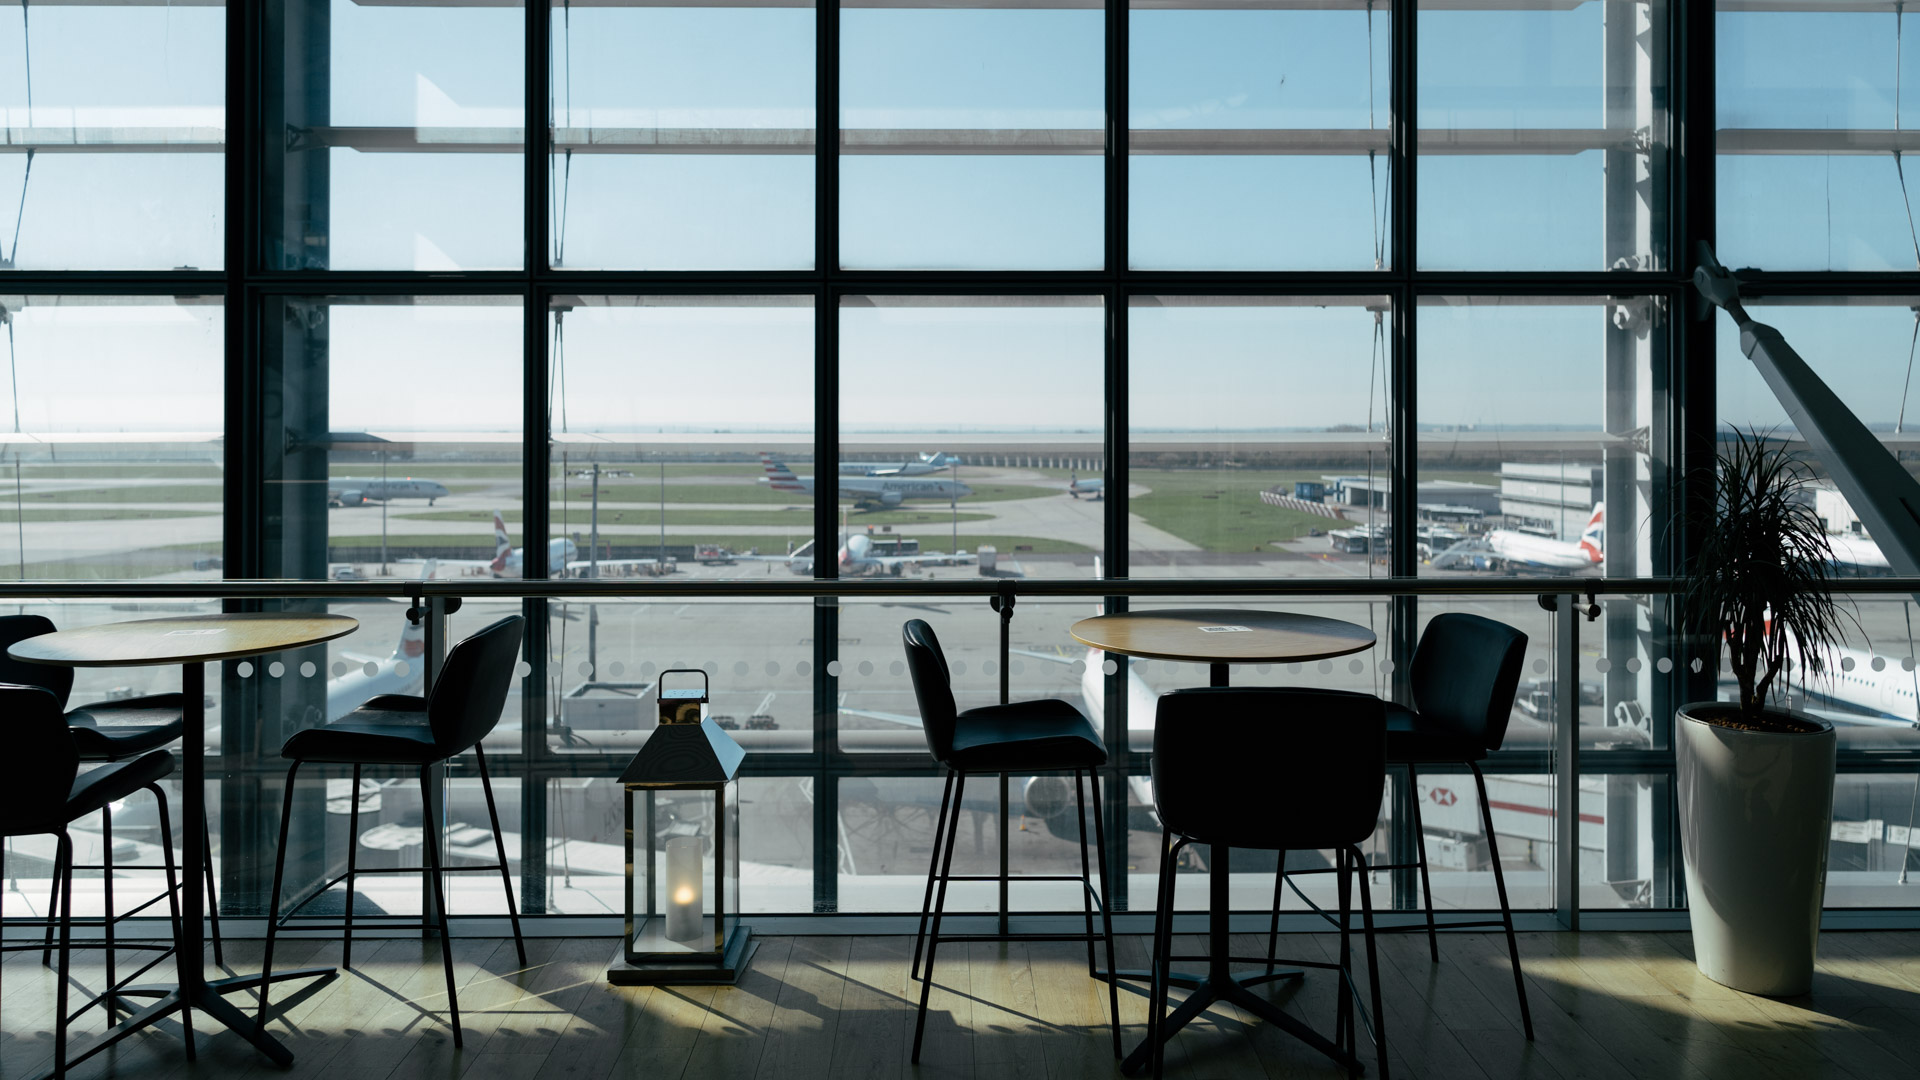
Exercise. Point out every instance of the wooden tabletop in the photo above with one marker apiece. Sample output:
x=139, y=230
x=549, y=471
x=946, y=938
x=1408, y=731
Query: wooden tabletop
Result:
x=182, y=639
x=1222, y=635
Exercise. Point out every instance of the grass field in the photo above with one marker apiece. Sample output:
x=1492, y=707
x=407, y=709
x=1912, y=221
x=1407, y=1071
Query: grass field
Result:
x=768, y=545
x=798, y=517
x=150, y=493
x=97, y=513
x=1220, y=510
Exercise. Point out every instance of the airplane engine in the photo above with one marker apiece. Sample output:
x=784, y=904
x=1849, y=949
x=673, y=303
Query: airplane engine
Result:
x=1049, y=796
x=351, y=498
x=891, y=499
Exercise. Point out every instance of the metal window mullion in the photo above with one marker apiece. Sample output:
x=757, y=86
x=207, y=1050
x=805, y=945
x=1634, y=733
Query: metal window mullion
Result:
x=826, y=456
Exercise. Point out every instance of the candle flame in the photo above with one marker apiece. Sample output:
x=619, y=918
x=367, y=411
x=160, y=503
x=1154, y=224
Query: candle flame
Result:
x=683, y=895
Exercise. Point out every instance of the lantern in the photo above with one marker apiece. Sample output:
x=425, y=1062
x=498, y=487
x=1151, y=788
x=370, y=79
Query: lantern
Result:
x=683, y=848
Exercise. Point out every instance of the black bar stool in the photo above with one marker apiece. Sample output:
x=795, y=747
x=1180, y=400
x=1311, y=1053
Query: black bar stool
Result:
x=44, y=791
x=1021, y=738
x=419, y=733
x=104, y=732
x=1271, y=769
x=1466, y=671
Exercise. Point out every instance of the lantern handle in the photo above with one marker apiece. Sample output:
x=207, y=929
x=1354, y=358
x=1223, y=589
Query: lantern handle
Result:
x=706, y=684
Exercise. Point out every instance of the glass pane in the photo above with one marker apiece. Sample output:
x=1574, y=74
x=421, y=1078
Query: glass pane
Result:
x=941, y=427
x=395, y=436
x=1871, y=862
x=666, y=410
x=1540, y=421
x=1543, y=137
x=117, y=460
x=604, y=661
x=1810, y=124
x=113, y=155
x=404, y=134
x=700, y=158
x=972, y=139
x=1258, y=139
x=1246, y=413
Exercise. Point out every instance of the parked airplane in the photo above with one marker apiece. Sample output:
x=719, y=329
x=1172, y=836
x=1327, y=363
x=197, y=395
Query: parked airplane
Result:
x=367, y=677
x=1886, y=697
x=509, y=561
x=1077, y=487
x=1517, y=548
x=352, y=491
x=928, y=463
x=857, y=559
x=1859, y=553
x=877, y=491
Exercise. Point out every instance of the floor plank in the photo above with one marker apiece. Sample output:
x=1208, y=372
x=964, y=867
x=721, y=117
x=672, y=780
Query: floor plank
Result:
x=1606, y=1006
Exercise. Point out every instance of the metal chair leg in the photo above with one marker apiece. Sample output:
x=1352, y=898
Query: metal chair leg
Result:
x=106, y=923
x=173, y=900
x=1343, y=1019
x=206, y=865
x=353, y=849
x=1086, y=870
x=1373, y=963
x=273, y=898
x=1279, y=893
x=53, y=905
x=933, y=866
x=939, y=909
x=500, y=849
x=1106, y=904
x=1506, y=910
x=63, y=858
x=430, y=845
x=1160, y=963
x=1420, y=838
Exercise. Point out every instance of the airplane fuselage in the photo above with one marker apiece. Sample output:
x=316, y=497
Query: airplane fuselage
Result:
x=354, y=491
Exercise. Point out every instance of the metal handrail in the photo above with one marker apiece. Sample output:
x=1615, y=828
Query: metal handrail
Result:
x=627, y=589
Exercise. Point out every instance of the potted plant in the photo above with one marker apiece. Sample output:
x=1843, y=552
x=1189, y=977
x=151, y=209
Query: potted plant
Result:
x=1756, y=780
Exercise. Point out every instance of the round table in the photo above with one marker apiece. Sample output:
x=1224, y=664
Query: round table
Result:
x=190, y=641
x=1218, y=637
x=1221, y=636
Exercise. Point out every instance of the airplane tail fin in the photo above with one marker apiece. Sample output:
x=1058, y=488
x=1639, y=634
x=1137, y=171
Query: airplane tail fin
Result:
x=413, y=641
x=779, y=475
x=502, y=546
x=1594, y=539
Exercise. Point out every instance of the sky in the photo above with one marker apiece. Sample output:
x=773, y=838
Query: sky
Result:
x=162, y=66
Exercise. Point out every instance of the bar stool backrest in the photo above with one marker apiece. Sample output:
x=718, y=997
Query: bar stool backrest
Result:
x=472, y=687
x=1270, y=767
x=55, y=679
x=932, y=687
x=34, y=793
x=1466, y=671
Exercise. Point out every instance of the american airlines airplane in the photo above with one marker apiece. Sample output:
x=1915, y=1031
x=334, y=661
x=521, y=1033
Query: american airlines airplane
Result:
x=881, y=491
x=928, y=463
x=353, y=491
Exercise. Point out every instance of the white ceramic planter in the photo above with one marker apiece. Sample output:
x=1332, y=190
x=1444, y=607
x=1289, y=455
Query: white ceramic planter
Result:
x=1756, y=812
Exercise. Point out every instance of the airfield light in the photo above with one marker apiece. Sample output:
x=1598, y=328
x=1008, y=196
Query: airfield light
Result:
x=683, y=848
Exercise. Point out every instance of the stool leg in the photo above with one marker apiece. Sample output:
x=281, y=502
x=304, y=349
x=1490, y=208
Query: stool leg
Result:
x=1106, y=905
x=933, y=866
x=1343, y=1021
x=1279, y=892
x=500, y=849
x=53, y=905
x=1506, y=911
x=430, y=843
x=1373, y=963
x=206, y=865
x=1160, y=963
x=353, y=849
x=111, y=999
x=273, y=898
x=63, y=860
x=173, y=897
x=1086, y=869
x=1420, y=838
x=939, y=908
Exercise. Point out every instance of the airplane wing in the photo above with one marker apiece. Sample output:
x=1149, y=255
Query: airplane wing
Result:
x=962, y=558
x=891, y=718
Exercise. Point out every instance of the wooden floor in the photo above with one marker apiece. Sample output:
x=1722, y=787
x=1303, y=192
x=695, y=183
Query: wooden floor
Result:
x=1605, y=1005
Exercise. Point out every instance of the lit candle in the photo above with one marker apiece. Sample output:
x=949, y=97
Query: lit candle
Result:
x=683, y=889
